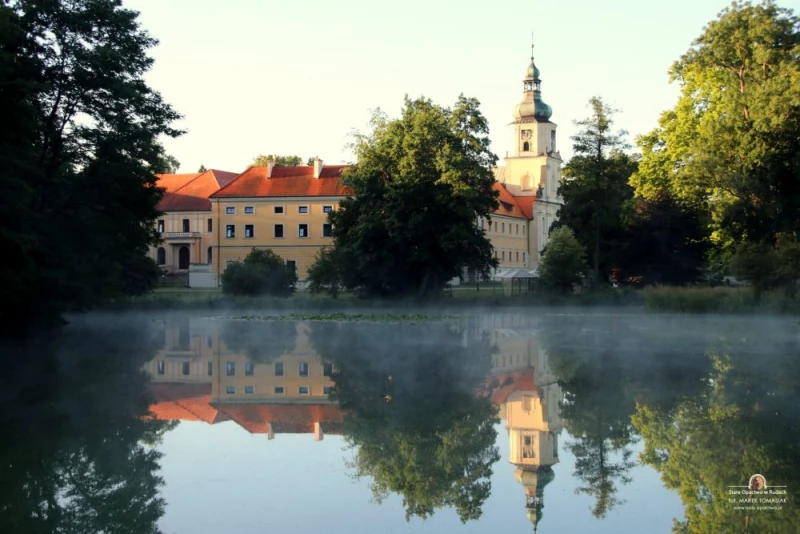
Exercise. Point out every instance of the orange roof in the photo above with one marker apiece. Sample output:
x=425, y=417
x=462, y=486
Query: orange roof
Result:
x=183, y=402
x=286, y=182
x=507, y=384
x=192, y=194
x=510, y=206
x=285, y=418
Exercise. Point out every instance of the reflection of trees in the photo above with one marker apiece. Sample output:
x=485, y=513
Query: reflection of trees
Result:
x=75, y=449
x=414, y=417
x=260, y=341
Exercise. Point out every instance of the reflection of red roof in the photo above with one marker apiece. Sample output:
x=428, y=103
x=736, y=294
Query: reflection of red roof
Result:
x=285, y=418
x=507, y=384
x=183, y=402
x=511, y=206
x=286, y=182
x=190, y=192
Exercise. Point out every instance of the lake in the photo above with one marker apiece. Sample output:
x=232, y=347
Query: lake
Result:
x=460, y=421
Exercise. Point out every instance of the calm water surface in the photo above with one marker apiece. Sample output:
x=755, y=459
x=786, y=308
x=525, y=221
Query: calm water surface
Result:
x=518, y=421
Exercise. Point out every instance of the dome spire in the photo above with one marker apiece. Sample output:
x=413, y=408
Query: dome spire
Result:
x=532, y=106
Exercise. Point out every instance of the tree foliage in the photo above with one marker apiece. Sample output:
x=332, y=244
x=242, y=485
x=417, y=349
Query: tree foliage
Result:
x=262, y=272
x=282, y=161
x=419, y=186
x=78, y=153
x=595, y=188
x=766, y=266
x=731, y=146
x=324, y=275
x=563, y=263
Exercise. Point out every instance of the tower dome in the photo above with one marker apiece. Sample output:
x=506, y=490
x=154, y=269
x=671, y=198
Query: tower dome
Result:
x=532, y=107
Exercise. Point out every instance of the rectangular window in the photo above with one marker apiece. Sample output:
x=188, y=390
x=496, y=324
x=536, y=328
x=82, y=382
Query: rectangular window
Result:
x=327, y=369
x=185, y=368
x=327, y=229
x=211, y=225
x=278, y=390
x=249, y=210
x=210, y=368
x=186, y=225
x=278, y=368
x=161, y=367
x=495, y=226
x=302, y=390
x=230, y=230
x=278, y=230
x=248, y=230
x=249, y=390
x=230, y=368
x=523, y=229
x=327, y=209
x=248, y=369
x=230, y=211
x=277, y=210
x=302, y=209
x=503, y=228
x=302, y=368
x=327, y=390
x=503, y=253
x=302, y=230
x=230, y=390
x=517, y=228
x=292, y=264
x=518, y=255
x=161, y=226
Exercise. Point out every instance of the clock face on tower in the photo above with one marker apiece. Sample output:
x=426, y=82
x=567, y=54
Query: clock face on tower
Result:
x=526, y=134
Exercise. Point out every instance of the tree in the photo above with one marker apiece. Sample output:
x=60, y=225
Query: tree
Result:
x=261, y=273
x=419, y=186
x=202, y=168
x=731, y=146
x=324, y=274
x=563, y=262
x=595, y=188
x=282, y=161
x=768, y=266
x=167, y=165
x=79, y=190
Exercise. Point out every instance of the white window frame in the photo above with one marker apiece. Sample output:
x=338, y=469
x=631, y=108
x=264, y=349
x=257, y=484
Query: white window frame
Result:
x=251, y=208
x=327, y=209
x=230, y=210
x=275, y=232
x=276, y=208
x=299, y=234
x=308, y=390
x=252, y=390
x=252, y=231
x=230, y=231
x=300, y=209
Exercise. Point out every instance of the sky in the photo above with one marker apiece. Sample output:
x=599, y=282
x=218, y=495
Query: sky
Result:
x=275, y=77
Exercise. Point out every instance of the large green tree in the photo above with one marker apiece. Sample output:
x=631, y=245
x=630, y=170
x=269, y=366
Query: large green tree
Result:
x=282, y=161
x=731, y=145
x=564, y=261
x=419, y=186
x=78, y=153
x=595, y=188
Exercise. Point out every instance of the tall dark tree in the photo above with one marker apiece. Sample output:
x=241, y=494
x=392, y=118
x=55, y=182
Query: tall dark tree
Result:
x=595, y=188
x=419, y=186
x=78, y=161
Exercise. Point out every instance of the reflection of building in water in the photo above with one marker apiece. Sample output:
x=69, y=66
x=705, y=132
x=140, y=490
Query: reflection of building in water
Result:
x=196, y=377
x=525, y=389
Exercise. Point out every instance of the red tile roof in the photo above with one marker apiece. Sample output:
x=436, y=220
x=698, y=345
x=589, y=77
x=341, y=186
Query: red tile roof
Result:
x=286, y=182
x=183, y=402
x=192, y=194
x=285, y=418
x=511, y=206
x=509, y=383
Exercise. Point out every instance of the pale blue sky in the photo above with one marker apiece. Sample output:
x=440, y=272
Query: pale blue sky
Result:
x=269, y=76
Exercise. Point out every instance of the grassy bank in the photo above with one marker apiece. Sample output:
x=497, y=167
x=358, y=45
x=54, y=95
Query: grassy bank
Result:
x=724, y=300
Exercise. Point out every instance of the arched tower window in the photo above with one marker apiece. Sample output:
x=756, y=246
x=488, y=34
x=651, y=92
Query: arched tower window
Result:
x=526, y=146
x=162, y=256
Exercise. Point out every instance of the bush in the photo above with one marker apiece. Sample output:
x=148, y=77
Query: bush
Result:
x=261, y=273
x=563, y=262
x=325, y=274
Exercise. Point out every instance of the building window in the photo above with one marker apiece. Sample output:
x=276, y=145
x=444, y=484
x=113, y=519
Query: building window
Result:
x=302, y=369
x=185, y=368
x=523, y=229
x=302, y=230
x=248, y=230
x=161, y=226
x=278, y=368
x=249, y=210
x=209, y=255
x=503, y=228
x=210, y=368
x=327, y=369
x=517, y=228
x=495, y=226
x=292, y=264
x=326, y=229
x=230, y=369
x=327, y=390
x=210, y=225
x=302, y=390
x=230, y=211
x=230, y=230
x=249, y=390
x=327, y=209
x=248, y=369
x=278, y=230
x=186, y=225
x=503, y=255
x=277, y=210
x=161, y=367
x=518, y=255
x=527, y=447
x=526, y=146
x=278, y=390
x=162, y=256
x=230, y=390
x=302, y=209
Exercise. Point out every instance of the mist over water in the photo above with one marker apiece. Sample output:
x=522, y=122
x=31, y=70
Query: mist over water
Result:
x=455, y=422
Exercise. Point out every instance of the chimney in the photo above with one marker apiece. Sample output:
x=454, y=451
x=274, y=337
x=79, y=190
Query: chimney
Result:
x=270, y=166
x=318, y=435
x=317, y=167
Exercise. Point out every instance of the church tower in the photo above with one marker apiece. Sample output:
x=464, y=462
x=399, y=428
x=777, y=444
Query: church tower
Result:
x=532, y=171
